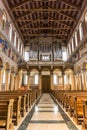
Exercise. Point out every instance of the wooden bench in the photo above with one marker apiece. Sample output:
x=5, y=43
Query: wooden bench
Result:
x=16, y=117
x=69, y=102
x=78, y=109
x=84, y=124
x=23, y=100
x=6, y=111
x=27, y=100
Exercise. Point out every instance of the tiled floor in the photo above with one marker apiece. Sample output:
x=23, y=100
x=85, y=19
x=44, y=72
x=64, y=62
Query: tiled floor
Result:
x=47, y=115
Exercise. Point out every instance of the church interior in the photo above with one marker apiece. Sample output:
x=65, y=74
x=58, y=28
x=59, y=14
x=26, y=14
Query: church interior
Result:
x=43, y=65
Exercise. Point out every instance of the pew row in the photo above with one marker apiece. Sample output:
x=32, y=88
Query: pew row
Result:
x=71, y=101
x=23, y=100
x=6, y=111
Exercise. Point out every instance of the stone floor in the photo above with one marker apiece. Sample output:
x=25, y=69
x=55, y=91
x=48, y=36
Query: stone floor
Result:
x=47, y=115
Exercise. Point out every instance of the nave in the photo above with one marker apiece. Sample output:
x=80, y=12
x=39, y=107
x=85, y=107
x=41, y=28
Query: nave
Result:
x=43, y=49
x=48, y=115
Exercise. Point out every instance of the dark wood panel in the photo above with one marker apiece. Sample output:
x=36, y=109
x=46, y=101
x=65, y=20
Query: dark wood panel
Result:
x=46, y=83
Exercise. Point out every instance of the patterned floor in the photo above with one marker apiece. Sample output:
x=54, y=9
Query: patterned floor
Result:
x=47, y=115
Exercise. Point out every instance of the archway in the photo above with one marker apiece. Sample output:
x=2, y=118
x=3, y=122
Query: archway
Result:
x=68, y=79
x=45, y=81
x=34, y=79
x=5, y=77
x=57, y=79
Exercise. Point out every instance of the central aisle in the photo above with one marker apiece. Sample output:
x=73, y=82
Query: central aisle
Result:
x=49, y=116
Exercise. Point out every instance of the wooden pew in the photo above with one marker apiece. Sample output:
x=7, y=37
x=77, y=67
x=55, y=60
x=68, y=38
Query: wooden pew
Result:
x=23, y=100
x=16, y=117
x=78, y=109
x=70, y=101
x=6, y=111
x=84, y=124
x=27, y=100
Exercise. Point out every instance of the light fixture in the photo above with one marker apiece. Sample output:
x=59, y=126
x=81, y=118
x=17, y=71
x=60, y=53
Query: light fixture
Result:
x=55, y=108
x=36, y=108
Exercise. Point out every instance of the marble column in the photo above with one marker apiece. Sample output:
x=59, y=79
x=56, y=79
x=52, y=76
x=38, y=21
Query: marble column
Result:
x=51, y=87
x=12, y=80
x=16, y=81
x=83, y=80
x=1, y=76
x=63, y=80
x=72, y=82
x=20, y=73
x=75, y=81
x=40, y=81
x=28, y=80
x=79, y=81
x=85, y=73
x=8, y=72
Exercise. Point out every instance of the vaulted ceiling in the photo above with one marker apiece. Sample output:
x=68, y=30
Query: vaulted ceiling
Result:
x=45, y=18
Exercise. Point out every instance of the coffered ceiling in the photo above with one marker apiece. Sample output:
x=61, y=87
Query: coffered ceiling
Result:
x=45, y=18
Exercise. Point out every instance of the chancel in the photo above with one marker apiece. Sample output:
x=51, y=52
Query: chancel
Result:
x=43, y=64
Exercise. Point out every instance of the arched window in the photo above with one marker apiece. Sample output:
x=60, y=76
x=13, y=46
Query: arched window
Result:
x=1, y=17
x=4, y=77
x=55, y=80
x=76, y=41
x=64, y=54
x=10, y=32
x=80, y=31
x=4, y=17
x=86, y=17
x=18, y=44
x=26, y=56
x=65, y=79
x=36, y=79
x=25, y=79
x=15, y=40
x=21, y=49
x=70, y=49
x=72, y=45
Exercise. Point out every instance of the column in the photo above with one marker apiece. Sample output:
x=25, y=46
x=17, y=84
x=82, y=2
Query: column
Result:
x=20, y=79
x=8, y=72
x=16, y=81
x=83, y=80
x=1, y=74
x=12, y=80
x=72, y=81
x=40, y=83
x=28, y=80
x=75, y=81
x=63, y=80
x=79, y=81
x=51, y=87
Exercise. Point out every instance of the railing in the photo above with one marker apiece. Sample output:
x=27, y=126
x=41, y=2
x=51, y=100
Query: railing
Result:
x=3, y=55
x=83, y=51
x=4, y=32
x=36, y=63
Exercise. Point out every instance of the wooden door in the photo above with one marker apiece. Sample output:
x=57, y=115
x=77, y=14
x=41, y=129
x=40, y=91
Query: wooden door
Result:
x=45, y=83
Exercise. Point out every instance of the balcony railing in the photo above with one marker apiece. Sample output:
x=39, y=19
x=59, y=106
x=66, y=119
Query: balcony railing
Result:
x=6, y=58
x=83, y=51
x=36, y=63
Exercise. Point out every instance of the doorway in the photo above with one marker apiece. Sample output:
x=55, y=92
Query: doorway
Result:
x=45, y=83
